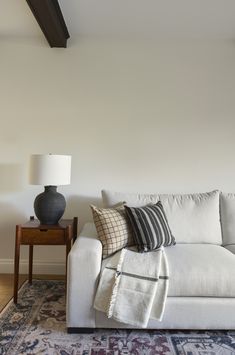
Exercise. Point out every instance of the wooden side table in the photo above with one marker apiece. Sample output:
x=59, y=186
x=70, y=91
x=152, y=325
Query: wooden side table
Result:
x=33, y=233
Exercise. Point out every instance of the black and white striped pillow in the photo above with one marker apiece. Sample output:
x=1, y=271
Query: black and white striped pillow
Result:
x=150, y=226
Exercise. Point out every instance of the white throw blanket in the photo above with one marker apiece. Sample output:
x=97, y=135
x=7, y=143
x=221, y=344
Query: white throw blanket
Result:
x=133, y=287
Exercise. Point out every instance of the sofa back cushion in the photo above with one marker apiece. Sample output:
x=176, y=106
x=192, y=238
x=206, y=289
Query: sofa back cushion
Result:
x=227, y=212
x=193, y=218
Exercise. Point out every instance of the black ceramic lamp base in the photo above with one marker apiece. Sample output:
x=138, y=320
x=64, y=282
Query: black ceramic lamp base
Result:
x=49, y=206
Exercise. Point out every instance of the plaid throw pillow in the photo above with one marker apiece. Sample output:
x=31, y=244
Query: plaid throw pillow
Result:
x=113, y=228
x=150, y=226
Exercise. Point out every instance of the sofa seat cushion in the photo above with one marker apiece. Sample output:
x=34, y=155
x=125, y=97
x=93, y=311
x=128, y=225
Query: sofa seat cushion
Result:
x=201, y=270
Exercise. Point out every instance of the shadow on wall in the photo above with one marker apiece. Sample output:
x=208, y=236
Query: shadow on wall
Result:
x=79, y=206
x=11, y=178
x=9, y=217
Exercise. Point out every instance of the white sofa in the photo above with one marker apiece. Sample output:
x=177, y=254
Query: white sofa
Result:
x=201, y=265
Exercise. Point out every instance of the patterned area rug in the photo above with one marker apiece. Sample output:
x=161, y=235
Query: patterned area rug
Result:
x=37, y=326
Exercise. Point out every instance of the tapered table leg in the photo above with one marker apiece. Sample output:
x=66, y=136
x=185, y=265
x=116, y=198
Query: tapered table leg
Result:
x=30, y=264
x=68, y=248
x=16, y=261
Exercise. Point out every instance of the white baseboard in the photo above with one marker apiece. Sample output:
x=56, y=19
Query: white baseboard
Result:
x=39, y=267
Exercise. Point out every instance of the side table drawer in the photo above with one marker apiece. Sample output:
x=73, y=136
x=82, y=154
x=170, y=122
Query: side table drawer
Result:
x=42, y=236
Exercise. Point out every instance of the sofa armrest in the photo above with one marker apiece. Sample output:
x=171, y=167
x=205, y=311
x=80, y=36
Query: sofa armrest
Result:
x=84, y=264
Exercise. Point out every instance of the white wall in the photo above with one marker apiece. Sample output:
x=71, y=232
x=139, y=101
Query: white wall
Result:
x=135, y=116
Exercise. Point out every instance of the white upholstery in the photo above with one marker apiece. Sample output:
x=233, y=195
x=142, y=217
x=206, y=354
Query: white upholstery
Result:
x=181, y=312
x=191, y=274
x=227, y=211
x=231, y=248
x=187, y=313
x=193, y=218
x=201, y=270
x=84, y=265
x=202, y=274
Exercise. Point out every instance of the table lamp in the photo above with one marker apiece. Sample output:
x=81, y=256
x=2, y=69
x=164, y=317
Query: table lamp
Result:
x=50, y=170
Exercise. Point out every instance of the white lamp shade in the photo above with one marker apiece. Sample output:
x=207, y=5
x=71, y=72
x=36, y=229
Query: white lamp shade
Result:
x=50, y=169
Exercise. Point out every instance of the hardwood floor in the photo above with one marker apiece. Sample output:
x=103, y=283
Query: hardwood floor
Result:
x=6, y=285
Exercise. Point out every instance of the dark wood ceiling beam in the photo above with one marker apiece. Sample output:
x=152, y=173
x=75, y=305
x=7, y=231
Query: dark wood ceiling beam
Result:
x=50, y=19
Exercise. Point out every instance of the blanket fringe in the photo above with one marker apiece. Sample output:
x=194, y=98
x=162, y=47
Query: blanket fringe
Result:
x=115, y=285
